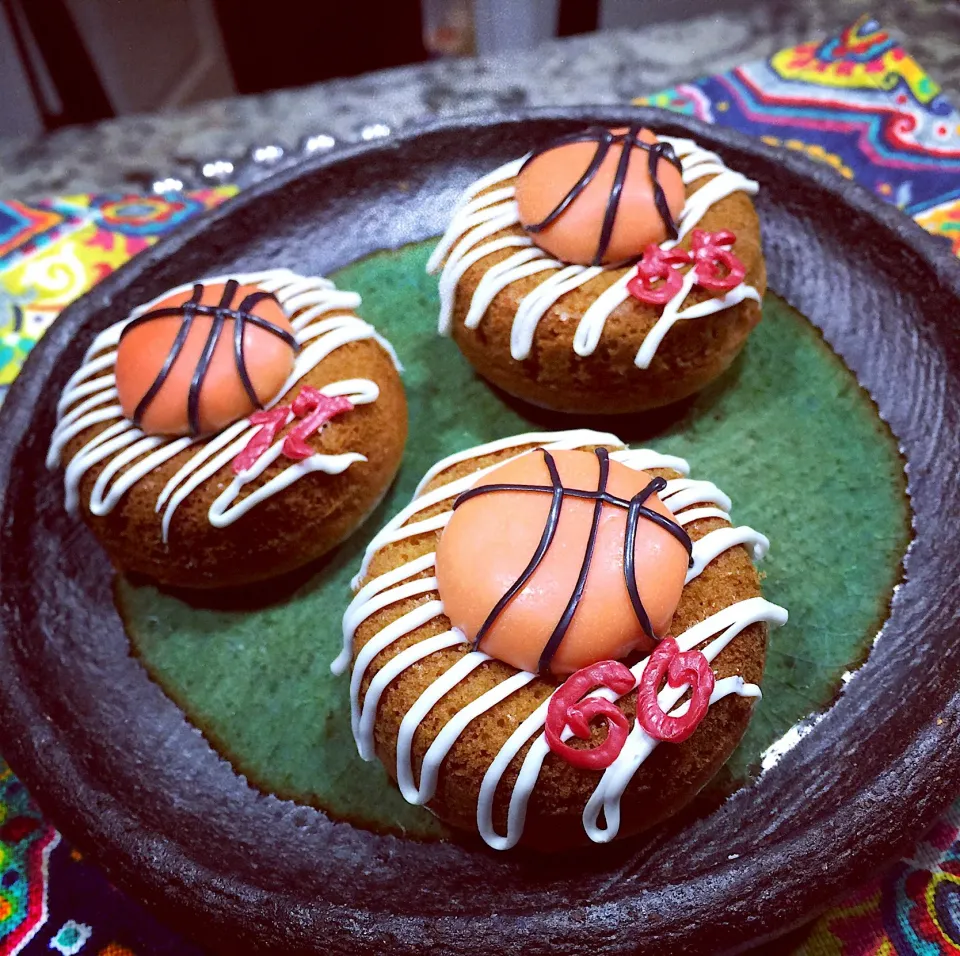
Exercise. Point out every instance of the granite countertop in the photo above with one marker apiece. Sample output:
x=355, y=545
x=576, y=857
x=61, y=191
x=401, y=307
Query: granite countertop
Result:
x=610, y=67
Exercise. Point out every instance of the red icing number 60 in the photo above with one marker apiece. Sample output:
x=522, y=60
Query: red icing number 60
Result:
x=686, y=667
x=567, y=708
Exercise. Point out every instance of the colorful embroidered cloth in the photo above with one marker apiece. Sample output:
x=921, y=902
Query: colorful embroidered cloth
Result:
x=857, y=102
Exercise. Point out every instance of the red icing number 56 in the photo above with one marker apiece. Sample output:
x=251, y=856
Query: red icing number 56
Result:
x=715, y=267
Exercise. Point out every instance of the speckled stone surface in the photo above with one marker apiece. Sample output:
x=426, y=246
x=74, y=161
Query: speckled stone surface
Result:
x=132, y=152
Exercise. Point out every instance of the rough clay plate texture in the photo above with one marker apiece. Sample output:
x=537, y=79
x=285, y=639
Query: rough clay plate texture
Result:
x=122, y=771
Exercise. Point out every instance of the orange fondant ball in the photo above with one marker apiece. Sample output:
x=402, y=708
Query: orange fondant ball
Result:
x=492, y=537
x=223, y=399
x=574, y=237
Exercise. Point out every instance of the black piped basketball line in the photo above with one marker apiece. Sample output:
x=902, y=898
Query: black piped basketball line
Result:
x=604, y=139
x=635, y=509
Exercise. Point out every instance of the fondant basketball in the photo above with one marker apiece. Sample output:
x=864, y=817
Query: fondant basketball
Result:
x=202, y=359
x=584, y=201
x=535, y=561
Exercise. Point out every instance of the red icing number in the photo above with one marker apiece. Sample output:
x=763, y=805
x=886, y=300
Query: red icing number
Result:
x=657, y=264
x=679, y=667
x=311, y=406
x=567, y=708
x=315, y=409
x=715, y=267
x=271, y=421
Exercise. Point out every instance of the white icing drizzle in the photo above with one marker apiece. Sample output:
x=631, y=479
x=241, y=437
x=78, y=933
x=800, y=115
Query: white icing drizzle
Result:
x=672, y=314
x=480, y=217
x=363, y=605
x=723, y=627
x=683, y=492
x=89, y=398
x=578, y=436
x=392, y=632
x=415, y=580
x=714, y=543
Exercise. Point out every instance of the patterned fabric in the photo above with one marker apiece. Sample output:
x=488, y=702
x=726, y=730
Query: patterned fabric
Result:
x=913, y=909
x=53, y=900
x=857, y=102
x=26, y=842
x=52, y=252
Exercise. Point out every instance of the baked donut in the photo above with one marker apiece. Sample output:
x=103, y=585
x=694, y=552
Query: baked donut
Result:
x=610, y=272
x=535, y=534
x=231, y=430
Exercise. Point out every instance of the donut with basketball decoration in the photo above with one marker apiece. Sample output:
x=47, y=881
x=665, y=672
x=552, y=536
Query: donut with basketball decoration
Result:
x=559, y=640
x=609, y=271
x=195, y=363
x=231, y=429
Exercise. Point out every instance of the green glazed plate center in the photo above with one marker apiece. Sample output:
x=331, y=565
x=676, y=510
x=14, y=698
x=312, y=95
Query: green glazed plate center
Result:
x=787, y=433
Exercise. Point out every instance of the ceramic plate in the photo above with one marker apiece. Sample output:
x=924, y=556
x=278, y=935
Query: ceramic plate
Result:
x=199, y=749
